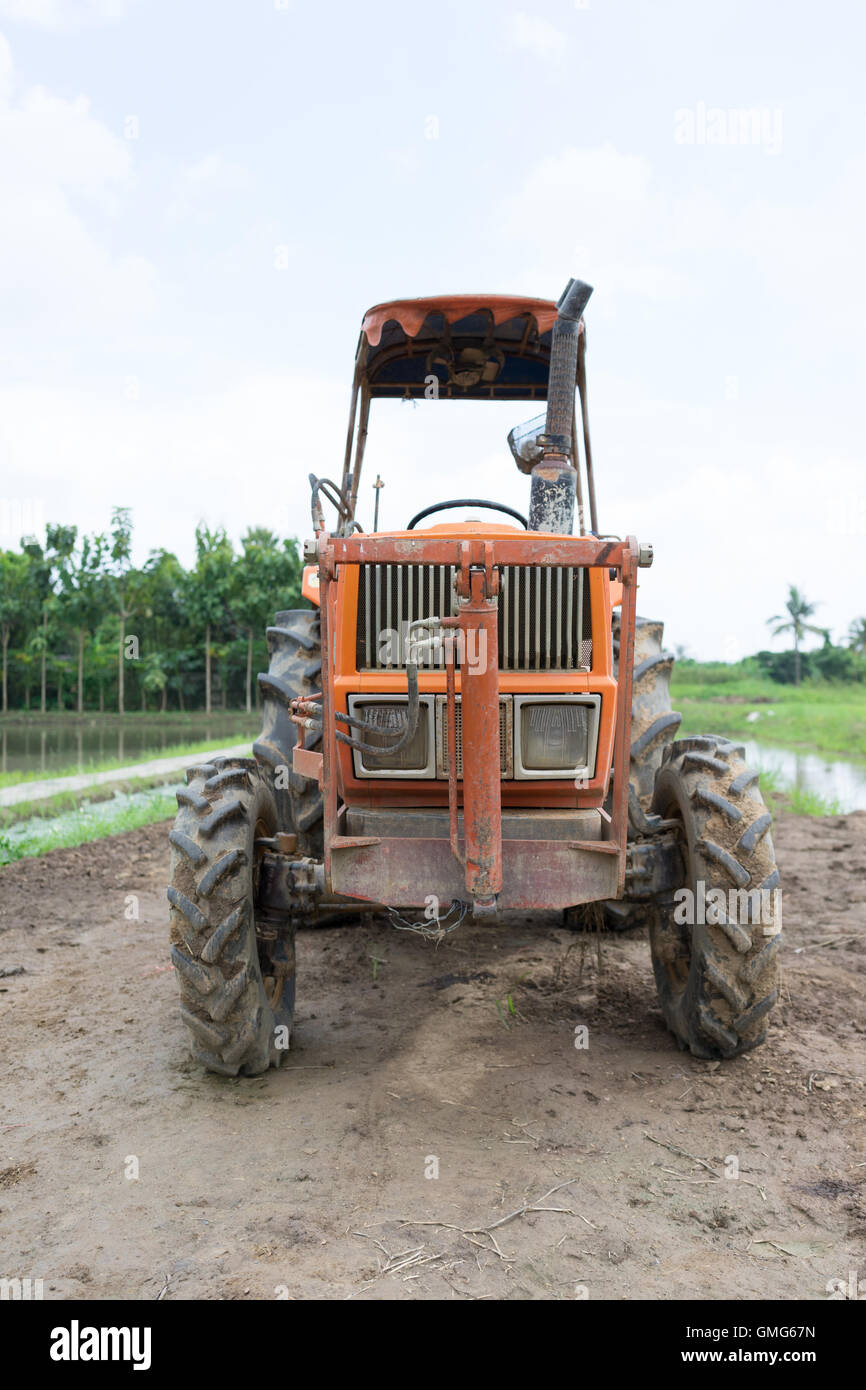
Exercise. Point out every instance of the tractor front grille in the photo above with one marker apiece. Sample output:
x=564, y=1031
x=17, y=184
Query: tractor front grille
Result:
x=506, y=728
x=544, y=615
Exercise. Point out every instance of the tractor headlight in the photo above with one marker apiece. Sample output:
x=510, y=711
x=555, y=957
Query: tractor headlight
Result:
x=385, y=717
x=555, y=735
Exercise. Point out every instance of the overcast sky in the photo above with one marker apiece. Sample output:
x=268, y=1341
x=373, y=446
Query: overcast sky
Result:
x=199, y=199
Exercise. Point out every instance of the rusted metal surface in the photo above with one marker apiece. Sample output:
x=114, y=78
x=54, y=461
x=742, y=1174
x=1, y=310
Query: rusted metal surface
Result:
x=328, y=593
x=482, y=807
x=569, y=826
x=451, y=706
x=536, y=874
x=411, y=549
x=307, y=762
x=622, y=736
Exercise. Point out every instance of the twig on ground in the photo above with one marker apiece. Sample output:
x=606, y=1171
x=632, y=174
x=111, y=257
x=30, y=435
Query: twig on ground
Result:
x=684, y=1153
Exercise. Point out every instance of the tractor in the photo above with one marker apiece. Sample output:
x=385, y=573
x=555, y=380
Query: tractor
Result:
x=469, y=719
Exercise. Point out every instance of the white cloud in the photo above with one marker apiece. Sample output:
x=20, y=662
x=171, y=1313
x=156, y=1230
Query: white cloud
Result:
x=211, y=175
x=223, y=457
x=62, y=172
x=216, y=171
x=535, y=35
x=605, y=201
x=64, y=14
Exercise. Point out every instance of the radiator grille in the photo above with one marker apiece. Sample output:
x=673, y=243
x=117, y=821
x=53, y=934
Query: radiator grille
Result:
x=505, y=736
x=544, y=615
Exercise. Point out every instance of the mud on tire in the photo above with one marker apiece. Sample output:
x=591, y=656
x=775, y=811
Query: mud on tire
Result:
x=653, y=723
x=653, y=726
x=295, y=648
x=237, y=984
x=717, y=981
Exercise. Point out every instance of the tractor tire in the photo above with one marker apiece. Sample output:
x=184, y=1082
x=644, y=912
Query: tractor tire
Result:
x=717, y=978
x=237, y=980
x=653, y=723
x=653, y=727
x=295, y=648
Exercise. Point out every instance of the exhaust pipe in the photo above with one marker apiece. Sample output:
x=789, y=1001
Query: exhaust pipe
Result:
x=551, y=501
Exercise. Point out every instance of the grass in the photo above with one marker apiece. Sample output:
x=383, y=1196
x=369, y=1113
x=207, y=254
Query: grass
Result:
x=83, y=826
x=174, y=750
x=817, y=716
x=780, y=796
x=806, y=803
x=50, y=807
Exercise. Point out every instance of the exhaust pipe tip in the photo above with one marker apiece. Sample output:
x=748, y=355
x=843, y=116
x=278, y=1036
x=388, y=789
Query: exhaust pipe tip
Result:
x=573, y=300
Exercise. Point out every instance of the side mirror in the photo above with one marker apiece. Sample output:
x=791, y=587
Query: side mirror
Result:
x=524, y=445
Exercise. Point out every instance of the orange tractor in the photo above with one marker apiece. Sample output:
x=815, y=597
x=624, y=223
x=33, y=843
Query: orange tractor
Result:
x=469, y=720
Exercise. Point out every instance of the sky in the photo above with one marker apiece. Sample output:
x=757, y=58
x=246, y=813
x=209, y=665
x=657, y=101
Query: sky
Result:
x=199, y=199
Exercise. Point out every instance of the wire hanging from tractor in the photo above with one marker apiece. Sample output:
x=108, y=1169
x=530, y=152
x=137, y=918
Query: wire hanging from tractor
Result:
x=426, y=928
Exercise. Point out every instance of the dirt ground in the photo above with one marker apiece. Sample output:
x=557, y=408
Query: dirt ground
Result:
x=320, y=1180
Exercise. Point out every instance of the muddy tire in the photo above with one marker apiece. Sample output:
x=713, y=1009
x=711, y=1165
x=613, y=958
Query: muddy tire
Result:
x=653, y=723
x=653, y=727
x=295, y=648
x=717, y=980
x=237, y=982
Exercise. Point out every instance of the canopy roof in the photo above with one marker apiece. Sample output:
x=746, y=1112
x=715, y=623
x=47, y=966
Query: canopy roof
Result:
x=492, y=347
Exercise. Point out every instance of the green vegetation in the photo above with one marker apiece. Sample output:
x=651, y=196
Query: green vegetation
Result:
x=81, y=627
x=820, y=715
x=798, y=610
x=778, y=795
x=91, y=821
x=50, y=807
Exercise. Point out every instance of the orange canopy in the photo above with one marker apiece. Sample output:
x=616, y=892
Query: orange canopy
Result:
x=492, y=347
x=411, y=313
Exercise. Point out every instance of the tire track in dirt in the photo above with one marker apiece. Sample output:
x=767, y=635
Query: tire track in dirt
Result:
x=250, y=1187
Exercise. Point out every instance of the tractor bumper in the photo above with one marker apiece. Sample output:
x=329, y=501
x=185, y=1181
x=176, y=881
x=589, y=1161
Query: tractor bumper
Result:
x=403, y=858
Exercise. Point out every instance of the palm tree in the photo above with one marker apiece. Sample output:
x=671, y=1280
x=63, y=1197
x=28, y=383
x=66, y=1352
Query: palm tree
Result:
x=798, y=610
x=857, y=635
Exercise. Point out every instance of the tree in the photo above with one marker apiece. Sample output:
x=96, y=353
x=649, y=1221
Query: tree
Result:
x=798, y=610
x=163, y=579
x=265, y=578
x=153, y=678
x=122, y=581
x=857, y=635
x=81, y=583
x=207, y=591
x=24, y=659
x=14, y=605
x=66, y=604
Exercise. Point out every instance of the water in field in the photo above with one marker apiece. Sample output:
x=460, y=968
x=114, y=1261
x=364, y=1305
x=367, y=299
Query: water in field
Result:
x=835, y=780
x=65, y=744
